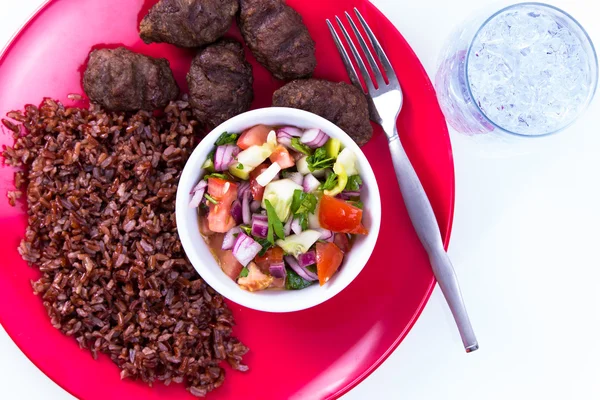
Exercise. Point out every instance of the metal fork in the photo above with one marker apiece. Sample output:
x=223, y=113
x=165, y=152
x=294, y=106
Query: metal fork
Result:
x=386, y=101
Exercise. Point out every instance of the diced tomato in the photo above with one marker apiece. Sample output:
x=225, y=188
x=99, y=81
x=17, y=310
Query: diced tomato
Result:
x=341, y=241
x=230, y=265
x=219, y=218
x=272, y=256
x=339, y=216
x=255, y=136
x=282, y=157
x=219, y=215
x=257, y=190
x=255, y=280
x=329, y=259
x=220, y=189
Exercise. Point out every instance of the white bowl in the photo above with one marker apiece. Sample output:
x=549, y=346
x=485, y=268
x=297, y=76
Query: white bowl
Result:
x=275, y=300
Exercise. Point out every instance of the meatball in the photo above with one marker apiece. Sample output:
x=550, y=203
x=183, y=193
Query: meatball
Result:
x=121, y=80
x=278, y=38
x=188, y=23
x=220, y=83
x=341, y=103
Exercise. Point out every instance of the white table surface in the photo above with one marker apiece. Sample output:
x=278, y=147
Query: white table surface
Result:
x=525, y=246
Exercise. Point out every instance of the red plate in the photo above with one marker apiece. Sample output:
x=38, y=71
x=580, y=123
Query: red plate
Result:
x=317, y=353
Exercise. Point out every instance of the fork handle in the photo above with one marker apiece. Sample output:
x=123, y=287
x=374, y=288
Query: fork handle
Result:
x=426, y=226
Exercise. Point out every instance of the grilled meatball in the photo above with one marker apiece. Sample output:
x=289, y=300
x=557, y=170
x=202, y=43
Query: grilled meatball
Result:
x=188, y=23
x=220, y=83
x=122, y=80
x=341, y=103
x=278, y=38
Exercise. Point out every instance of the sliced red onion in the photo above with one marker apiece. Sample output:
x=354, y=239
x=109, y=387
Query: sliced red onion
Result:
x=198, y=193
x=260, y=225
x=245, y=249
x=314, y=138
x=284, y=139
x=287, y=228
x=348, y=195
x=306, y=259
x=246, y=217
x=200, y=186
x=196, y=199
x=295, y=177
x=255, y=206
x=296, y=228
x=326, y=234
x=243, y=187
x=303, y=272
x=291, y=131
x=260, y=217
x=268, y=174
x=230, y=238
x=224, y=156
x=236, y=211
x=310, y=183
x=277, y=270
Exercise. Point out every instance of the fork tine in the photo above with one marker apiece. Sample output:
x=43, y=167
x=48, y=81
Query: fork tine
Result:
x=383, y=59
x=345, y=57
x=363, y=45
x=361, y=65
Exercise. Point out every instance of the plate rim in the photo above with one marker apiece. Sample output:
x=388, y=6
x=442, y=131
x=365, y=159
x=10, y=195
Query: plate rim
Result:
x=446, y=239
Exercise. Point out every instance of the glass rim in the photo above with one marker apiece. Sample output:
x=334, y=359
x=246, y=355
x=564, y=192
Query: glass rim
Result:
x=593, y=63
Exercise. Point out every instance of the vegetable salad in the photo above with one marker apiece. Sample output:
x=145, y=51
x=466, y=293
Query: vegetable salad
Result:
x=279, y=207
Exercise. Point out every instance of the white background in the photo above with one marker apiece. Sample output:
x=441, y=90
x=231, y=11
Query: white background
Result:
x=525, y=246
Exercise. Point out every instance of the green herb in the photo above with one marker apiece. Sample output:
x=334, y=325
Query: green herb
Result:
x=244, y=272
x=266, y=245
x=356, y=203
x=217, y=175
x=226, y=138
x=295, y=281
x=210, y=198
x=240, y=166
x=320, y=160
x=330, y=183
x=354, y=183
x=312, y=268
x=275, y=225
x=301, y=147
x=303, y=202
x=247, y=230
x=303, y=220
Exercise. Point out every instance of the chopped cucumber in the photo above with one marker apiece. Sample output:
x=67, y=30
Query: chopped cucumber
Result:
x=302, y=166
x=240, y=171
x=281, y=194
x=253, y=156
x=209, y=165
x=348, y=159
x=299, y=244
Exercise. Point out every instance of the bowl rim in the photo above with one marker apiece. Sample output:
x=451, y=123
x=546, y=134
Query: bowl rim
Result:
x=254, y=300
